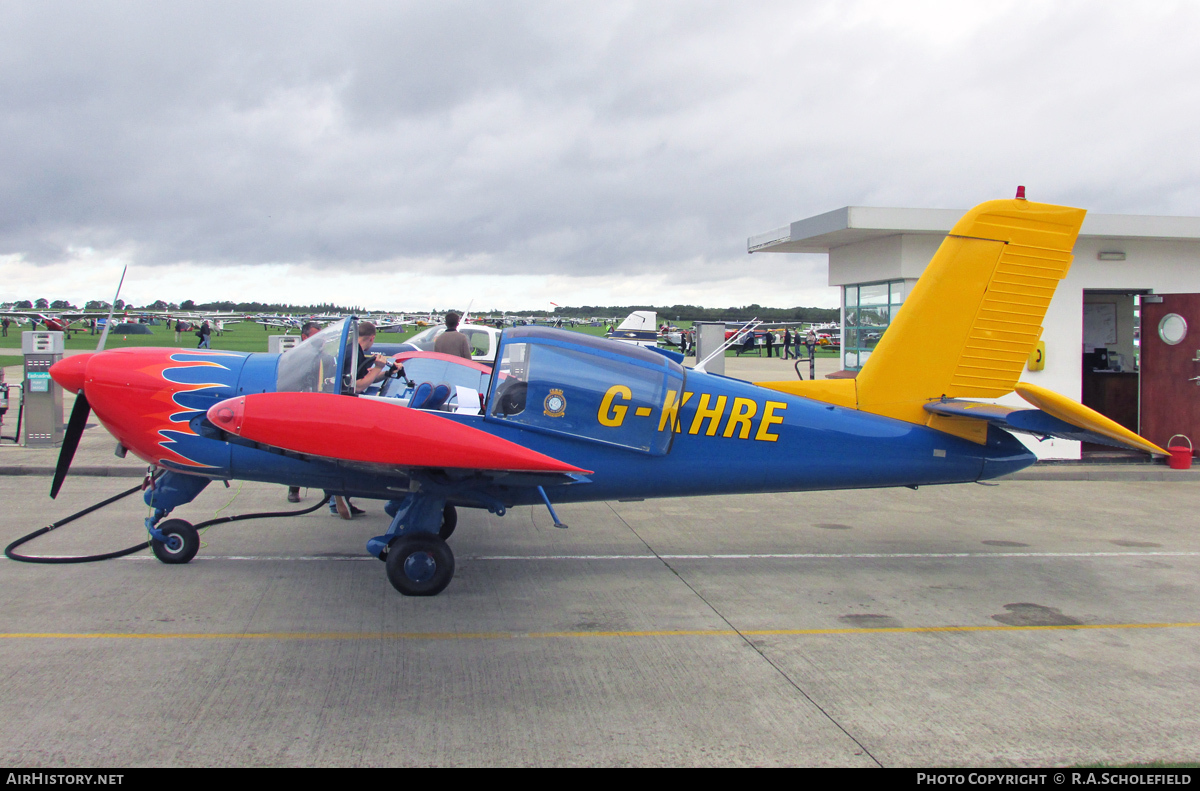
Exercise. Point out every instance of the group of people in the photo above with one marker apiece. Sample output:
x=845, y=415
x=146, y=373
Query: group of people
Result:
x=368, y=369
x=792, y=340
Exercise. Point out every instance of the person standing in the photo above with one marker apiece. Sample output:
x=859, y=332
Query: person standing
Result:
x=810, y=340
x=178, y=329
x=205, y=333
x=787, y=342
x=5, y=324
x=770, y=343
x=452, y=341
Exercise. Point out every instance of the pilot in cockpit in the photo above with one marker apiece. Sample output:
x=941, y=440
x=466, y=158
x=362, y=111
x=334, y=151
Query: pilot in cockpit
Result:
x=369, y=367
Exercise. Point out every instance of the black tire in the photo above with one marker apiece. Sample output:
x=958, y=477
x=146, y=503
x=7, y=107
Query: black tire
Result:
x=449, y=522
x=183, y=542
x=420, y=565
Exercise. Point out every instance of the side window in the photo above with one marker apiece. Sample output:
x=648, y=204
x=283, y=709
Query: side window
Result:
x=512, y=388
x=480, y=341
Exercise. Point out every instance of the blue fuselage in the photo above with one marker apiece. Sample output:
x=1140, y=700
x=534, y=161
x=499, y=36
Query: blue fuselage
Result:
x=730, y=437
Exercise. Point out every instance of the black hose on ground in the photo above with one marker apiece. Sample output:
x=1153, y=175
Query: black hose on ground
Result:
x=8, y=550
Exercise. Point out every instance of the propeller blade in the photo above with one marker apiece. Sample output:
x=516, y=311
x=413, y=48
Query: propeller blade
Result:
x=79, y=416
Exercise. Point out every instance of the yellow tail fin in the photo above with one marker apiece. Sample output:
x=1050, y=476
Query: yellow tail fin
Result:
x=971, y=320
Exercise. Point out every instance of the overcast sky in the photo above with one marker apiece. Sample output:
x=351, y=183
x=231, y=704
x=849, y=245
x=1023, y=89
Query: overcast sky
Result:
x=427, y=154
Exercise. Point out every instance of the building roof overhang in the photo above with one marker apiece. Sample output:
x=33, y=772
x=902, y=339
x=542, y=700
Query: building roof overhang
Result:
x=851, y=224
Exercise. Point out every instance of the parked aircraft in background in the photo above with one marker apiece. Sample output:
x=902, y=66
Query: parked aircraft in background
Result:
x=484, y=340
x=53, y=320
x=639, y=328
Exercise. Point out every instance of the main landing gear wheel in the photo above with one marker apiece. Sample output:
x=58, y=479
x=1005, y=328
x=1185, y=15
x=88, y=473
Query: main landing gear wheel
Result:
x=420, y=565
x=183, y=541
x=449, y=522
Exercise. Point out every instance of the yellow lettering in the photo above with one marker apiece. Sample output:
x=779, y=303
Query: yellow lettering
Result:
x=743, y=410
x=670, y=411
x=713, y=416
x=769, y=419
x=642, y=411
x=609, y=414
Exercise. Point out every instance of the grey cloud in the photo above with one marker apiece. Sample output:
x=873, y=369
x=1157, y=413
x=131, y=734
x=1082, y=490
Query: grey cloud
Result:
x=566, y=138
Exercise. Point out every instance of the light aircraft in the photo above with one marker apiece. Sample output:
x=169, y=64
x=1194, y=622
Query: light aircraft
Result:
x=484, y=341
x=55, y=321
x=568, y=417
x=639, y=328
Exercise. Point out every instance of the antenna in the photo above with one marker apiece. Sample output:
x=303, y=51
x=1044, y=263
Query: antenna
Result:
x=111, y=308
x=737, y=336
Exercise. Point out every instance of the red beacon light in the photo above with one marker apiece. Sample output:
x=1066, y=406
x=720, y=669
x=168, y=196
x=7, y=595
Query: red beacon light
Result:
x=1021, y=193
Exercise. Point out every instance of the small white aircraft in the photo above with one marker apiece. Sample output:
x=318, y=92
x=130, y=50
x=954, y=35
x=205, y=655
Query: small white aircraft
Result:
x=639, y=328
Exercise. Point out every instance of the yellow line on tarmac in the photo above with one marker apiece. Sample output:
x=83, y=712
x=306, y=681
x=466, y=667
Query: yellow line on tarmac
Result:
x=551, y=635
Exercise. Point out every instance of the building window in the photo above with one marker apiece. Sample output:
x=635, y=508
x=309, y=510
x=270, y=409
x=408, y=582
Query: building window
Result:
x=870, y=308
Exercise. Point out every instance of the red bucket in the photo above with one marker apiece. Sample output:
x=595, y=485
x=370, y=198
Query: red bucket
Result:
x=1181, y=456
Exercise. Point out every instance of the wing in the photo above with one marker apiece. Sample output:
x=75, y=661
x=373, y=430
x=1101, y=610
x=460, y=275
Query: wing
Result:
x=374, y=432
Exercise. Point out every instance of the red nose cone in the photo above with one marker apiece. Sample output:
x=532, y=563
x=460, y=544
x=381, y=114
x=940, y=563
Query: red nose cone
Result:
x=69, y=371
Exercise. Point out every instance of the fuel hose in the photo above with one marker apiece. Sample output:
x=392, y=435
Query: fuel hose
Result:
x=8, y=550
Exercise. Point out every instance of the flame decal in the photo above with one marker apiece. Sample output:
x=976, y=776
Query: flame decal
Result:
x=194, y=380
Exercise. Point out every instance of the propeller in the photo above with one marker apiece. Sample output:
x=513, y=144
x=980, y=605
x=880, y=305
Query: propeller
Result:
x=75, y=426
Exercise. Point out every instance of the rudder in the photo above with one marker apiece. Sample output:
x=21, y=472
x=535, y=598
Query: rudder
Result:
x=975, y=314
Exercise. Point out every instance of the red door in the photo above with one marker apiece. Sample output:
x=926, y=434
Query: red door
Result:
x=1170, y=367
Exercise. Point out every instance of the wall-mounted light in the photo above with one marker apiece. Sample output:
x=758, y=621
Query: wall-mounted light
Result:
x=1110, y=255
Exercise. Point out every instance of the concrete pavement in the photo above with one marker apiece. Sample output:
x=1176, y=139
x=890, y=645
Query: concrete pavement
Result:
x=1026, y=624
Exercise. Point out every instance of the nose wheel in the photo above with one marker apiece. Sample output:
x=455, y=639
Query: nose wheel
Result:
x=420, y=565
x=181, y=543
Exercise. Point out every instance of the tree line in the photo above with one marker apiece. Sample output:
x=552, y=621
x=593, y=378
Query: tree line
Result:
x=189, y=305
x=700, y=313
x=667, y=312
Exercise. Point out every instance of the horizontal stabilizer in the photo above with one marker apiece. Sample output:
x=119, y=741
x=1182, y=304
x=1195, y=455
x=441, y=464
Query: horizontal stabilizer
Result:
x=1077, y=414
x=1082, y=427
x=372, y=432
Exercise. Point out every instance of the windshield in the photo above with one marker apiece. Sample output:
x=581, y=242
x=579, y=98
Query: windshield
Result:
x=312, y=365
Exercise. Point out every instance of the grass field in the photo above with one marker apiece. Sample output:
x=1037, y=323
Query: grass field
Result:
x=243, y=337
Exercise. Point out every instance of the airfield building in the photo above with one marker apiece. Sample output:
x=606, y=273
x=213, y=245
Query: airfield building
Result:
x=1122, y=334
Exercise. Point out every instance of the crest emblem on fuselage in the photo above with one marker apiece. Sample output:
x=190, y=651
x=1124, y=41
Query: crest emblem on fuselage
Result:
x=555, y=404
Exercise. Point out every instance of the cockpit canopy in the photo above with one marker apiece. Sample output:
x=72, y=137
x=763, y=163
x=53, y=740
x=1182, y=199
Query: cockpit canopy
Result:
x=560, y=382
